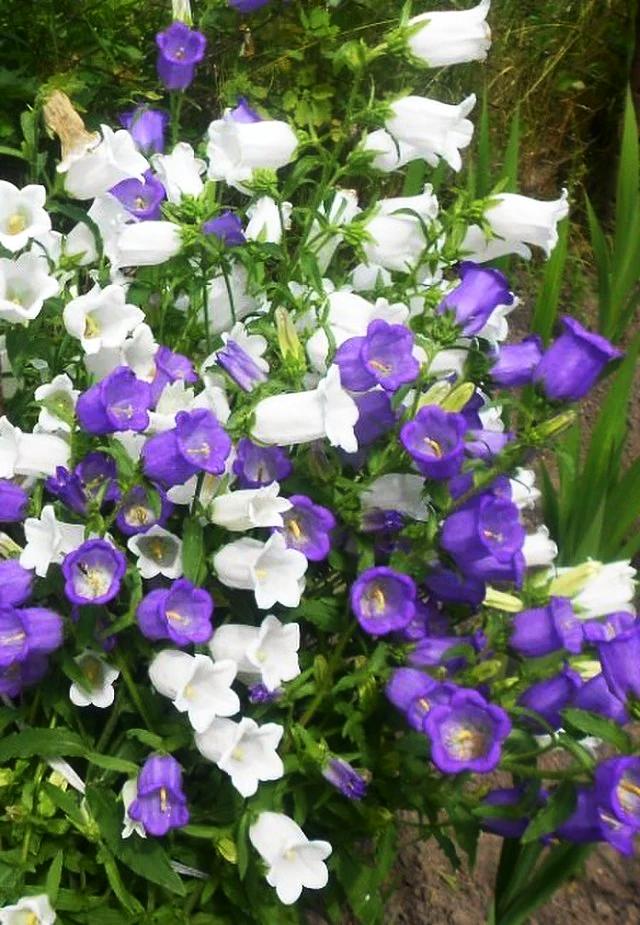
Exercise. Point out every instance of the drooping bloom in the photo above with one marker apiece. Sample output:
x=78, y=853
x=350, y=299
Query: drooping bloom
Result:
x=227, y=227
x=375, y=416
x=120, y=401
x=307, y=527
x=414, y=693
x=617, y=785
x=272, y=571
x=450, y=37
x=516, y=363
x=30, y=910
x=573, y=362
x=595, y=696
x=293, y=861
x=26, y=632
x=383, y=600
x=22, y=214
x=257, y=465
x=142, y=198
x=100, y=167
x=244, y=750
x=198, y=686
x=268, y=220
x=467, y=733
x=344, y=778
x=13, y=502
x=548, y=697
x=249, y=508
x=240, y=366
x=435, y=441
x=479, y=293
x=516, y=222
x=382, y=357
x=396, y=235
x=238, y=146
x=147, y=127
x=159, y=552
x=179, y=50
x=160, y=804
x=430, y=129
x=620, y=660
x=543, y=630
x=181, y=613
x=93, y=479
x=97, y=690
x=196, y=443
x=267, y=653
x=93, y=572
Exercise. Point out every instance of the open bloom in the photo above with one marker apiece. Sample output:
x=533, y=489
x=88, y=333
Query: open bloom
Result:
x=181, y=613
x=196, y=443
x=414, y=693
x=384, y=356
x=293, y=862
x=620, y=660
x=160, y=804
x=467, y=733
x=25, y=285
x=141, y=198
x=119, y=402
x=198, y=686
x=542, y=630
x=22, y=214
x=48, y=541
x=272, y=571
x=307, y=527
x=257, y=465
x=573, y=362
x=147, y=244
x=430, y=129
x=249, y=508
x=516, y=222
x=159, y=553
x=147, y=128
x=30, y=910
x=179, y=172
x=97, y=690
x=450, y=37
x=179, y=50
x=100, y=167
x=267, y=653
x=434, y=440
x=383, y=600
x=244, y=750
x=101, y=318
x=617, y=784
x=137, y=514
x=227, y=227
x=93, y=572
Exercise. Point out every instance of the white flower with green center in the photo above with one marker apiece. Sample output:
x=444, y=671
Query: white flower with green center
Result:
x=293, y=862
x=97, y=690
x=58, y=400
x=22, y=214
x=30, y=910
x=179, y=172
x=30, y=454
x=101, y=318
x=159, y=553
x=245, y=751
x=196, y=684
x=25, y=285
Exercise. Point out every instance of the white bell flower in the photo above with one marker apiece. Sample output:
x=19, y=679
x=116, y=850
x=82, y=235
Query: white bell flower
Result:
x=517, y=222
x=432, y=129
x=293, y=862
x=397, y=491
x=249, y=508
x=137, y=351
x=22, y=214
x=539, y=549
x=30, y=454
x=30, y=910
x=366, y=277
x=236, y=149
x=268, y=653
x=132, y=442
x=49, y=245
x=113, y=159
x=179, y=172
x=265, y=222
x=610, y=587
x=451, y=37
x=110, y=216
x=101, y=318
x=129, y=793
x=448, y=362
x=324, y=243
x=98, y=690
x=25, y=285
x=245, y=751
x=59, y=394
x=159, y=553
x=390, y=153
x=396, y=236
x=48, y=540
x=272, y=571
x=175, y=397
x=196, y=684
x=524, y=493
x=147, y=244
x=301, y=417
x=220, y=310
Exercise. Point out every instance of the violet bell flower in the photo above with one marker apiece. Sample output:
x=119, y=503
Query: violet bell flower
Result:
x=93, y=572
x=247, y=6
x=240, y=366
x=160, y=804
x=548, y=697
x=467, y=733
x=383, y=600
x=181, y=613
x=147, y=127
x=142, y=198
x=13, y=502
x=136, y=514
x=170, y=367
x=118, y=402
x=516, y=363
x=94, y=478
x=307, y=528
x=620, y=660
x=573, y=362
x=480, y=291
x=27, y=632
x=435, y=441
x=382, y=357
x=179, y=50
x=255, y=465
x=543, y=630
x=227, y=227
x=344, y=778
x=197, y=443
x=414, y=694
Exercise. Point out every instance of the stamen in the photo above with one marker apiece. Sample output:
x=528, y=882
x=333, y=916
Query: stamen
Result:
x=292, y=527
x=91, y=327
x=16, y=223
x=164, y=800
x=381, y=367
x=434, y=447
x=137, y=515
x=202, y=450
x=175, y=617
x=13, y=637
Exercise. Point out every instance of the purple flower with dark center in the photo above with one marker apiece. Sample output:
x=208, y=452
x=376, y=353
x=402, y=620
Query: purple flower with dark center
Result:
x=179, y=50
x=307, y=528
x=415, y=694
x=467, y=733
x=620, y=660
x=28, y=631
x=428, y=621
x=383, y=357
x=13, y=502
x=160, y=804
x=93, y=572
x=595, y=696
x=434, y=440
x=197, y=443
x=573, y=362
x=258, y=693
x=590, y=822
x=147, y=127
x=18, y=675
x=375, y=416
x=547, y=698
x=617, y=786
x=243, y=112
x=256, y=465
x=247, y=6
x=609, y=627
x=15, y=583
x=240, y=366
x=542, y=630
x=383, y=600
x=141, y=198
x=120, y=401
x=170, y=367
x=479, y=293
x=227, y=227
x=181, y=613
x=136, y=514
x=344, y=778
x=451, y=588
x=516, y=363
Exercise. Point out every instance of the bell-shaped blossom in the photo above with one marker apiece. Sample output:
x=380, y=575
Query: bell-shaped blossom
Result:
x=160, y=804
x=267, y=223
x=113, y=159
x=516, y=363
x=137, y=351
x=591, y=822
x=181, y=613
x=196, y=443
x=467, y=733
x=240, y=366
x=440, y=38
x=30, y=454
x=479, y=293
x=383, y=600
x=325, y=235
x=97, y=689
x=137, y=513
x=198, y=686
x=538, y=548
x=147, y=128
x=227, y=228
x=27, y=632
x=432, y=130
x=570, y=367
x=159, y=553
x=22, y=214
x=30, y=910
x=48, y=540
x=542, y=630
x=110, y=216
x=179, y=172
x=141, y=198
x=516, y=222
x=249, y=508
x=293, y=862
x=301, y=417
x=93, y=572
x=119, y=402
x=435, y=441
x=25, y=285
x=101, y=318
x=607, y=588
x=266, y=653
x=248, y=6
x=396, y=235
x=244, y=750
x=171, y=367
x=345, y=779
x=129, y=793
x=272, y=571
x=550, y=696
x=255, y=465
x=147, y=244
x=174, y=398
x=617, y=784
x=228, y=304
x=620, y=660
x=93, y=480
x=13, y=502
x=235, y=149
x=58, y=399
x=415, y=693
x=307, y=527
x=596, y=697
x=18, y=675
x=389, y=153
x=384, y=356
x=180, y=49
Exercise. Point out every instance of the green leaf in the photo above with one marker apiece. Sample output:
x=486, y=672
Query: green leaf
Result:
x=193, y=558
x=558, y=808
x=546, y=307
x=111, y=763
x=52, y=883
x=41, y=743
x=594, y=725
x=560, y=866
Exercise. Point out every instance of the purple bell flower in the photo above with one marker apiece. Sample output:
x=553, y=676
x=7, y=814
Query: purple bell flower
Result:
x=95, y=477
x=415, y=694
x=434, y=440
x=375, y=416
x=383, y=600
x=181, y=613
x=543, y=630
x=227, y=227
x=516, y=363
x=93, y=572
x=28, y=631
x=142, y=198
x=344, y=778
x=467, y=733
x=307, y=528
x=197, y=443
x=479, y=293
x=119, y=402
x=573, y=362
x=383, y=357
x=259, y=694
x=547, y=698
x=487, y=444
x=451, y=588
x=590, y=822
x=240, y=366
x=620, y=660
x=427, y=621
x=136, y=514
x=501, y=825
x=617, y=786
x=147, y=127
x=595, y=696
x=15, y=583
x=160, y=804
x=432, y=651
x=170, y=367
x=243, y=112
x=255, y=466
x=607, y=628
x=19, y=675
x=247, y=6
x=13, y=502
x=179, y=50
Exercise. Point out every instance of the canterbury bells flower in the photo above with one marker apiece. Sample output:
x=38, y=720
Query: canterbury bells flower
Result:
x=452, y=37
x=272, y=571
x=113, y=159
x=432, y=129
x=22, y=214
x=198, y=686
x=147, y=244
x=249, y=508
x=396, y=234
x=292, y=860
x=245, y=751
x=237, y=148
x=517, y=222
x=301, y=417
x=266, y=653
